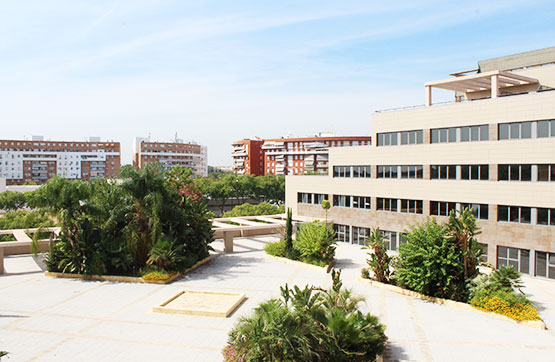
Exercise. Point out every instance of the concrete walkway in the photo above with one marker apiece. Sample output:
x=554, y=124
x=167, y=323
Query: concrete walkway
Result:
x=49, y=319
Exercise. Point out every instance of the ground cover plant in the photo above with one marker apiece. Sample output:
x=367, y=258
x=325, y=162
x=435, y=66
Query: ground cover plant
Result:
x=151, y=218
x=264, y=208
x=309, y=324
x=315, y=243
x=500, y=292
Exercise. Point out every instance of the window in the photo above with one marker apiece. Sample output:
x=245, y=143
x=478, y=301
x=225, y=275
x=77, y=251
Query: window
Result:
x=341, y=171
x=546, y=172
x=342, y=233
x=385, y=204
x=412, y=171
x=514, y=172
x=545, y=264
x=480, y=211
x=516, y=214
x=443, y=172
x=411, y=206
x=484, y=254
x=362, y=171
x=442, y=208
x=517, y=258
x=341, y=201
x=360, y=235
x=387, y=171
x=546, y=216
x=475, y=172
x=361, y=202
x=390, y=238
x=304, y=198
x=405, y=138
x=319, y=198
x=442, y=135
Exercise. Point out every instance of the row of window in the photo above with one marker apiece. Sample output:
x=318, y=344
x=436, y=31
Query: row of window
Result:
x=405, y=171
x=460, y=134
x=401, y=205
x=355, y=171
x=526, y=172
x=443, y=208
x=309, y=198
x=466, y=172
x=401, y=138
x=524, y=130
x=526, y=215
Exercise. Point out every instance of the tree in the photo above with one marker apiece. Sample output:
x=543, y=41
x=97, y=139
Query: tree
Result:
x=461, y=230
x=11, y=200
x=289, y=234
x=379, y=260
x=326, y=206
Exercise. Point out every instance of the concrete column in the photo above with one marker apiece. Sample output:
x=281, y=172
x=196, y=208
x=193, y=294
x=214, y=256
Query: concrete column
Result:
x=426, y=172
x=426, y=136
x=228, y=241
x=428, y=96
x=1, y=260
x=494, y=86
x=493, y=172
x=493, y=136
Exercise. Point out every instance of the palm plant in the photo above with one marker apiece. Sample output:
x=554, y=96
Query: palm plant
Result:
x=379, y=260
x=461, y=230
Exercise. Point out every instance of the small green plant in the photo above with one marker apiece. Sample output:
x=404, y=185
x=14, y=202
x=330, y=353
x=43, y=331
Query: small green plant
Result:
x=276, y=248
x=307, y=324
x=316, y=241
x=326, y=206
x=379, y=261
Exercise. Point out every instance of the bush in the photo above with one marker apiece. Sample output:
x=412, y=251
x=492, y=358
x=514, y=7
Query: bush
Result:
x=316, y=242
x=11, y=200
x=307, y=324
x=429, y=264
x=276, y=249
x=264, y=208
x=21, y=219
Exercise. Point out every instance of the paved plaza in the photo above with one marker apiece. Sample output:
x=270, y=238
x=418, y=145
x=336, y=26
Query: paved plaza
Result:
x=49, y=319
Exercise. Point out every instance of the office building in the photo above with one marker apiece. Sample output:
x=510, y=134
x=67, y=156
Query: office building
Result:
x=492, y=149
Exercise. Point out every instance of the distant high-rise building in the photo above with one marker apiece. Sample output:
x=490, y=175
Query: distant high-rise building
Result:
x=289, y=156
x=37, y=161
x=169, y=154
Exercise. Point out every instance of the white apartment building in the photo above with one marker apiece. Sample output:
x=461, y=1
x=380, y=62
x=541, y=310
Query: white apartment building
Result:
x=36, y=161
x=493, y=150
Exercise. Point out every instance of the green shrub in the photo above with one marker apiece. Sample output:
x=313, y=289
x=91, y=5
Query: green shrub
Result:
x=379, y=260
x=11, y=200
x=316, y=241
x=22, y=219
x=289, y=251
x=264, y=208
x=307, y=324
x=276, y=249
x=430, y=264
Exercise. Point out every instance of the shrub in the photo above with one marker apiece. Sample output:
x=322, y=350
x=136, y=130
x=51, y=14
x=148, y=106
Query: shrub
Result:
x=288, y=240
x=316, y=242
x=430, y=264
x=276, y=249
x=309, y=324
x=21, y=219
x=379, y=260
x=11, y=200
x=264, y=208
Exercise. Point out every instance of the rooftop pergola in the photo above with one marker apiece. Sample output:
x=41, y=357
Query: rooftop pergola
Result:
x=495, y=82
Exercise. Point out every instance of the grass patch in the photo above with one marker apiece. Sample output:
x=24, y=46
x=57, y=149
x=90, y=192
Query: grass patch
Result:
x=152, y=272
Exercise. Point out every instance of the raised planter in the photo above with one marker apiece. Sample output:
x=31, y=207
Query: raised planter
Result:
x=393, y=288
x=299, y=263
x=124, y=279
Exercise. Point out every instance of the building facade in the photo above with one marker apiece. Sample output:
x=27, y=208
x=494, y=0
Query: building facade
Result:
x=289, y=156
x=169, y=154
x=36, y=161
x=492, y=150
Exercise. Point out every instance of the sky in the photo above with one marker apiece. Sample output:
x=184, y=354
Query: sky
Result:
x=219, y=71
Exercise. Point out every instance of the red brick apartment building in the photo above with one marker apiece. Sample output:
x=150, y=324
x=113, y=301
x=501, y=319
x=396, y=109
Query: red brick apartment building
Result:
x=289, y=156
x=36, y=161
x=170, y=154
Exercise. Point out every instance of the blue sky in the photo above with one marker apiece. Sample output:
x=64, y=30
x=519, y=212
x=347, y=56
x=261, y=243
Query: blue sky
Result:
x=218, y=71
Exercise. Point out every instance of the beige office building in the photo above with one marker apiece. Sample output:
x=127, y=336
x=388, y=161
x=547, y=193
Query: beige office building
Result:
x=492, y=149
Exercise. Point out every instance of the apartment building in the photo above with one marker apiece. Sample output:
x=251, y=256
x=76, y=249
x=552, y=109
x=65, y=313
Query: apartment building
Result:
x=169, y=154
x=289, y=156
x=36, y=161
x=492, y=149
